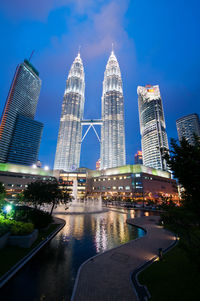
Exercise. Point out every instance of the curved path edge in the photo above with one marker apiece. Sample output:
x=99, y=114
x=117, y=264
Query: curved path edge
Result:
x=108, y=276
x=142, y=291
x=34, y=251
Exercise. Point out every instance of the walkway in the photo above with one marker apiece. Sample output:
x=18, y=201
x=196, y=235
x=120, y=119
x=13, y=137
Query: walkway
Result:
x=107, y=277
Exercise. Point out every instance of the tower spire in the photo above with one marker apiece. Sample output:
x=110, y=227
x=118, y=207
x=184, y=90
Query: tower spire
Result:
x=112, y=48
x=79, y=49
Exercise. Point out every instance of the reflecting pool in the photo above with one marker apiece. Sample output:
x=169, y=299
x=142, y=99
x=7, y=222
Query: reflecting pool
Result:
x=50, y=275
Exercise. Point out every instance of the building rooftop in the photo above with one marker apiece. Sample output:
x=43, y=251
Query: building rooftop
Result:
x=136, y=168
x=17, y=168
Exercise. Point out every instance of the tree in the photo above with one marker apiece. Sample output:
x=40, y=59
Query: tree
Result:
x=184, y=162
x=2, y=195
x=2, y=191
x=46, y=192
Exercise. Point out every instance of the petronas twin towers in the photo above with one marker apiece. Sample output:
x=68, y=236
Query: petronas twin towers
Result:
x=112, y=122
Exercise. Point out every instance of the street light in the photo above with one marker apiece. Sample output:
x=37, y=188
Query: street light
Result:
x=7, y=209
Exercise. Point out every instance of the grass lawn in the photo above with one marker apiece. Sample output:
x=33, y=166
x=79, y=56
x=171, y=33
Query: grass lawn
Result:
x=174, y=278
x=10, y=255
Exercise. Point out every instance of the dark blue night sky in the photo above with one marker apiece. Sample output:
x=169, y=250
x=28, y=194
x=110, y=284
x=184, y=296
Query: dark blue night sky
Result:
x=156, y=42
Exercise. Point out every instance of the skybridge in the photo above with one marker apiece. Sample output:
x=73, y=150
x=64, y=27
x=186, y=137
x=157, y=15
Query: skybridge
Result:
x=91, y=124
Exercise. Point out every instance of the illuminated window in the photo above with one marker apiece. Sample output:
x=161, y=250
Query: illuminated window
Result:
x=127, y=187
x=120, y=187
x=114, y=187
x=137, y=175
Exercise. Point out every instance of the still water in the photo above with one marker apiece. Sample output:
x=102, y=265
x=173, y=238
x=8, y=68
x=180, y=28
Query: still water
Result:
x=50, y=275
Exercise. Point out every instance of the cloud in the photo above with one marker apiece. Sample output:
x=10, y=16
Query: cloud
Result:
x=95, y=33
x=23, y=9
x=107, y=29
x=40, y=9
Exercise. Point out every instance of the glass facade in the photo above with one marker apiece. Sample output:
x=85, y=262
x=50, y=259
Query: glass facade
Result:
x=69, y=138
x=25, y=143
x=112, y=130
x=22, y=100
x=152, y=126
x=187, y=126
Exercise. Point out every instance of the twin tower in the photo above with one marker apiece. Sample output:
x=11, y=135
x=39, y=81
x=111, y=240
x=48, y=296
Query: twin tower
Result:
x=112, y=121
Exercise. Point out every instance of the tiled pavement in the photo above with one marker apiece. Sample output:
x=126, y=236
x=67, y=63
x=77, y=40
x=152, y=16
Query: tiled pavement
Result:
x=107, y=277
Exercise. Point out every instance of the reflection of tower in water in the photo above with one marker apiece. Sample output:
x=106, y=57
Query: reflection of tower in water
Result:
x=111, y=225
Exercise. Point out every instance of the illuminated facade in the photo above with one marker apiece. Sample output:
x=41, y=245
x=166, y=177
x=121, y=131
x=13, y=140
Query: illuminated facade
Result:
x=187, y=126
x=69, y=138
x=138, y=158
x=21, y=101
x=134, y=182
x=112, y=130
x=16, y=177
x=67, y=179
x=152, y=126
x=98, y=164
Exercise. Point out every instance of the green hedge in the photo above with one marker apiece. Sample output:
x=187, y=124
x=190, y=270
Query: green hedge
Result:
x=39, y=218
x=15, y=228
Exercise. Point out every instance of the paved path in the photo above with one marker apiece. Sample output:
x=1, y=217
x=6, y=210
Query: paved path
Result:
x=107, y=277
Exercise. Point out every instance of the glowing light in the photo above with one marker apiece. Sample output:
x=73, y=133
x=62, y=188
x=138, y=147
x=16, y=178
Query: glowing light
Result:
x=7, y=208
x=34, y=166
x=46, y=167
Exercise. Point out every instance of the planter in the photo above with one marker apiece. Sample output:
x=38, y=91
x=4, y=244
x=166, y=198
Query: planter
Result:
x=23, y=241
x=4, y=239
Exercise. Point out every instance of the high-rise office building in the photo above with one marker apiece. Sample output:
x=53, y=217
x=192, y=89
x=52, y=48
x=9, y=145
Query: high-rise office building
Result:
x=187, y=126
x=138, y=157
x=25, y=142
x=69, y=138
x=152, y=126
x=112, y=130
x=21, y=101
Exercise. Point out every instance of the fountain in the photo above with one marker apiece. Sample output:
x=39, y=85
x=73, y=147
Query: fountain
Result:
x=78, y=206
x=75, y=190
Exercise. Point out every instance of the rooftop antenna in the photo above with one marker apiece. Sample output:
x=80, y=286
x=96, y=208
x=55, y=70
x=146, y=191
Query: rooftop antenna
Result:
x=31, y=55
x=112, y=47
x=79, y=49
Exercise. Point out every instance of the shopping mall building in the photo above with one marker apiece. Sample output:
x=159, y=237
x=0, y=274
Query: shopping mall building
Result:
x=131, y=182
x=127, y=182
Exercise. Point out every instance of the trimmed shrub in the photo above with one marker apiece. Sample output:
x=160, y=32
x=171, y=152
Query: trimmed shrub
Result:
x=40, y=219
x=19, y=228
x=15, y=228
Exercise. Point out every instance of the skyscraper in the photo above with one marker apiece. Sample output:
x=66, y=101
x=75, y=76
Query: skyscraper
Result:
x=70, y=131
x=21, y=101
x=152, y=126
x=25, y=142
x=187, y=126
x=112, y=130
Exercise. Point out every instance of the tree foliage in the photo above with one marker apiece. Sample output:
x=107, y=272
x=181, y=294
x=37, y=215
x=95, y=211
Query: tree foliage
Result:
x=2, y=192
x=45, y=192
x=184, y=162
